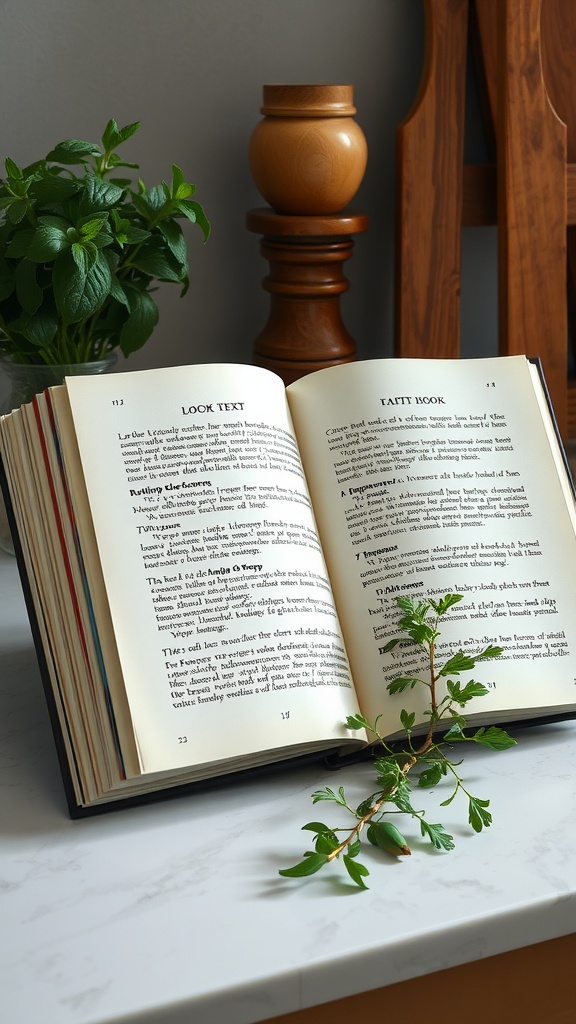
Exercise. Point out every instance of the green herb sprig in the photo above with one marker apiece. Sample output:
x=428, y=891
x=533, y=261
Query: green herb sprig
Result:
x=81, y=253
x=427, y=756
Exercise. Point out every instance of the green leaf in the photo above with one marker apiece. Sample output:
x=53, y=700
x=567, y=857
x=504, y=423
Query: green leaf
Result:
x=52, y=190
x=17, y=211
x=354, y=848
x=316, y=826
x=177, y=179
x=135, y=235
x=462, y=695
x=117, y=292
x=388, y=770
x=154, y=259
x=7, y=283
x=12, y=169
x=401, y=799
x=98, y=194
x=454, y=734
x=114, y=136
x=194, y=212
x=129, y=130
x=490, y=652
x=156, y=198
x=423, y=634
x=309, y=866
x=394, y=643
x=110, y=136
x=175, y=240
x=19, y=244
x=448, y=801
x=356, y=871
x=459, y=662
x=478, y=816
x=91, y=226
x=142, y=205
x=357, y=722
x=80, y=290
x=47, y=242
x=39, y=329
x=407, y=719
x=326, y=843
x=364, y=807
x=141, y=322
x=28, y=292
x=329, y=794
x=84, y=255
x=494, y=738
x=72, y=151
x=441, y=607
x=437, y=835
x=55, y=222
x=432, y=775
x=400, y=684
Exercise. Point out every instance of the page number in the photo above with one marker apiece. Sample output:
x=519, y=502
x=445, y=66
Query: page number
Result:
x=491, y=384
x=117, y=401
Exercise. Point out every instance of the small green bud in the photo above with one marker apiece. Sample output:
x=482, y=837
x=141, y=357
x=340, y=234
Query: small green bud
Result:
x=389, y=839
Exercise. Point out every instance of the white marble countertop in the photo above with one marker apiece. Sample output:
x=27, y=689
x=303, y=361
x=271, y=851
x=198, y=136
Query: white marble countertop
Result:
x=174, y=912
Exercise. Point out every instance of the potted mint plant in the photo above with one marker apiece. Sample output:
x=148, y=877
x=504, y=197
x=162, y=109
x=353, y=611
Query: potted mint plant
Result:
x=81, y=253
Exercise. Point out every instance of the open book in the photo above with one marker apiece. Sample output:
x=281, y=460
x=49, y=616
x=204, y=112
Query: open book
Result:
x=211, y=560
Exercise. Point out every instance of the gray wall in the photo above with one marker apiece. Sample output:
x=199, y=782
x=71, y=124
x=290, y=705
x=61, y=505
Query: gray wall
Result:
x=192, y=72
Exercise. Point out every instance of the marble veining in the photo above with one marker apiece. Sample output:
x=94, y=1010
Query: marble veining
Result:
x=174, y=912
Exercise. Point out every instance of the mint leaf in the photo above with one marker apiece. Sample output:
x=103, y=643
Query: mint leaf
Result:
x=407, y=719
x=79, y=290
x=357, y=871
x=437, y=835
x=357, y=722
x=459, y=662
x=461, y=695
x=194, y=212
x=46, y=243
x=98, y=194
x=400, y=684
x=478, y=816
x=494, y=738
x=28, y=291
x=441, y=607
x=329, y=794
x=72, y=151
x=309, y=866
x=432, y=775
x=141, y=322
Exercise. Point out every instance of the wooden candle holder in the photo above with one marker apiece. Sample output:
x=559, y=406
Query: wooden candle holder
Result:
x=306, y=254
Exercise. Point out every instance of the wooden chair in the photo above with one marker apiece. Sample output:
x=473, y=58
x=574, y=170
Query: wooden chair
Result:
x=529, y=191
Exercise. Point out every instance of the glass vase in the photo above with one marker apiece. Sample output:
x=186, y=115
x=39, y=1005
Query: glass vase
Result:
x=27, y=380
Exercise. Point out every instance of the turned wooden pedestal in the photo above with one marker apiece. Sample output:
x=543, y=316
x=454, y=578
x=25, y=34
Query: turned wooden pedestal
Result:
x=305, y=331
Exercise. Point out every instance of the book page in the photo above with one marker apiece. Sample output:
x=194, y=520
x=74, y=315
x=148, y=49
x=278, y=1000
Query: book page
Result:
x=219, y=598
x=433, y=476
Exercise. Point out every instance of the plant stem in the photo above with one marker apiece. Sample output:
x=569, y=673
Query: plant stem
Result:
x=411, y=760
